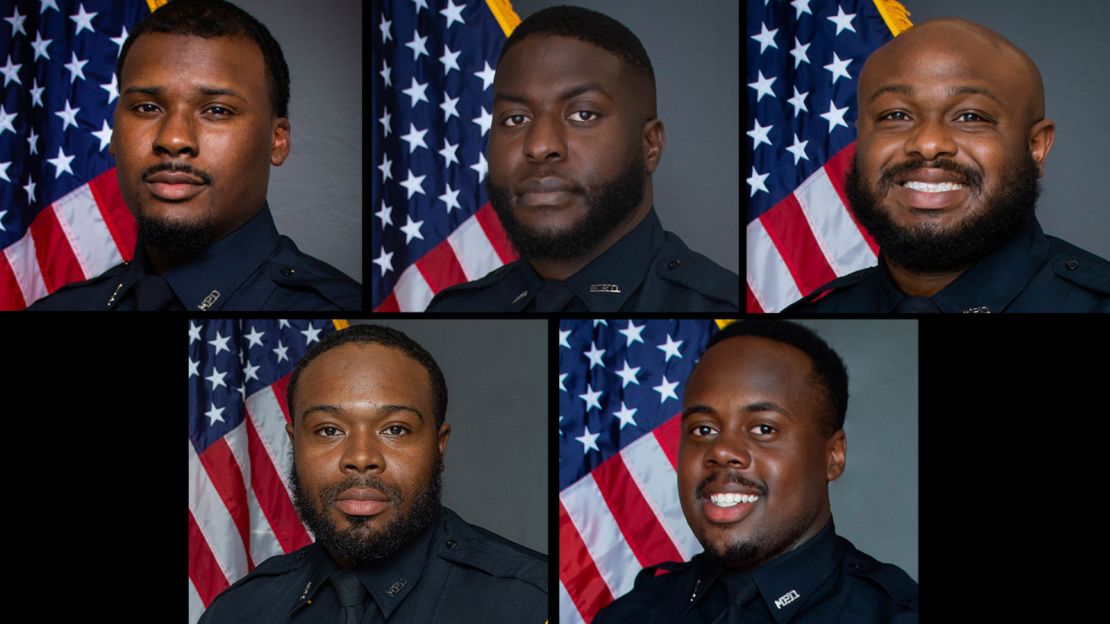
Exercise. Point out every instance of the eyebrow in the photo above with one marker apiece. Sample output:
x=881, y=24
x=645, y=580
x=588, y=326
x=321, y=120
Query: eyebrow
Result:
x=385, y=410
x=908, y=90
x=567, y=94
x=157, y=91
x=760, y=406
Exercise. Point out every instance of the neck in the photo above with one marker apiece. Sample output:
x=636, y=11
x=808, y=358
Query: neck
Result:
x=561, y=270
x=920, y=284
x=159, y=261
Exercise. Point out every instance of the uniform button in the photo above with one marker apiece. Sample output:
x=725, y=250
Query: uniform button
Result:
x=451, y=543
x=674, y=264
x=288, y=271
x=1072, y=265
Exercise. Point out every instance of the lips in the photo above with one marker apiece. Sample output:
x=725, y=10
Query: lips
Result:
x=362, y=502
x=729, y=502
x=547, y=191
x=174, y=186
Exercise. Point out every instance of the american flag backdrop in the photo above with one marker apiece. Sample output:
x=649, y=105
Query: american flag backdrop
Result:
x=620, y=401
x=431, y=96
x=240, y=508
x=62, y=218
x=804, y=58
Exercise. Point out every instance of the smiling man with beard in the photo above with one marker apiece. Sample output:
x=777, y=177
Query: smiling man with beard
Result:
x=952, y=140
x=368, y=432
x=762, y=436
x=202, y=116
x=574, y=142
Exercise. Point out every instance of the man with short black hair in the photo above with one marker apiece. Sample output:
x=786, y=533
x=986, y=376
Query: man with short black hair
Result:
x=368, y=408
x=762, y=437
x=574, y=142
x=201, y=118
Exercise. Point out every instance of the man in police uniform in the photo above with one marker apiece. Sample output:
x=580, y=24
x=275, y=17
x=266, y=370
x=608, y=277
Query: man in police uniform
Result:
x=573, y=144
x=368, y=406
x=762, y=436
x=952, y=141
x=202, y=115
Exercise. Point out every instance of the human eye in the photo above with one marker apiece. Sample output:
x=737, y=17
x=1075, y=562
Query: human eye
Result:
x=218, y=111
x=894, y=116
x=396, y=431
x=702, y=431
x=971, y=117
x=583, y=115
x=512, y=121
x=145, y=108
x=762, y=430
x=328, y=431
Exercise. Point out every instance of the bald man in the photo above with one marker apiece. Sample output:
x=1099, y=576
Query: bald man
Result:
x=953, y=139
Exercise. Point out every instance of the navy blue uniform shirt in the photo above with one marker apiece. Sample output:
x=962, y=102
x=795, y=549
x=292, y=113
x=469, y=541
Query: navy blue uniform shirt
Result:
x=1032, y=273
x=453, y=572
x=825, y=580
x=649, y=270
x=252, y=268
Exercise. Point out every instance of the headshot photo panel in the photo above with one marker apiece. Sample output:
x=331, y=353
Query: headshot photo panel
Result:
x=925, y=157
x=751, y=470
x=386, y=471
x=548, y=158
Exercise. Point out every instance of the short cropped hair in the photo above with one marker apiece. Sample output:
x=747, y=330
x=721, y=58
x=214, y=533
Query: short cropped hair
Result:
x=592, y=27
x=216, y=18
x=828, y=369
x=385, y=336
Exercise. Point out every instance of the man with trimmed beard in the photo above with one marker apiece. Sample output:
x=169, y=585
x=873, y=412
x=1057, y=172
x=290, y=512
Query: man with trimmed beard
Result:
x=368, y=406
x=573, y=145
x=952, y=140
x=762, y=436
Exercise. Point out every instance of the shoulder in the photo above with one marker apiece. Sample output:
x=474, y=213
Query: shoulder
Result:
x=92, y=294
x=825, y=298
x=657, y=588
x=1080, y=268
x=486, y=294
x=258, y=592
x=710, y=286
x=492, y=558
x=884, y=582
x=304, y=282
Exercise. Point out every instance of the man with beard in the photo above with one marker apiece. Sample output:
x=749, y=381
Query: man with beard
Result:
x=573, y=144
x=952, y=141
x=368, y=406
x=762, y=437
x=201, y=117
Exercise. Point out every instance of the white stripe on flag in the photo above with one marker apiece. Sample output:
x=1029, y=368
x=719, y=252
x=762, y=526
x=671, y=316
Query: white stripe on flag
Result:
x=264, y=410
x=214, y=521
x=412, y=291
x=770, y=280
x=651, y=470
x=837, y=235
x=590, y=514
x=88, y=235
x=473, y=249
x=25, y=265
x=263, y=542
x=196, y=605
x=568, y=613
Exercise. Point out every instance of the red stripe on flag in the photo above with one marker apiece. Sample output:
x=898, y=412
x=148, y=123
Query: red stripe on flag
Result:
x=279, y=387
x=788, y=229
x=837, y=170
x=491, y=225
x=11, y=297
x=440, y=267
x=389, y=305
x=641, y=528
x=57, y=262
x=204, y=571
x=668, y=434
x=117, y=216
x=227, y=478
x=578, y=572
x=272, y=496
x=753, y=303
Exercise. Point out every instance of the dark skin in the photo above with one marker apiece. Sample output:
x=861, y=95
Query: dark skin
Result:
x=365, y=409
x=567, y=114
x=204, y=104
x=947, y=90
x=752, y=424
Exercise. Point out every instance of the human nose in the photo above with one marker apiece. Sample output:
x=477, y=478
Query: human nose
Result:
x=362, y=452
x=730, y=451
x=930, y=140
x=545, y=140
x=176, y=136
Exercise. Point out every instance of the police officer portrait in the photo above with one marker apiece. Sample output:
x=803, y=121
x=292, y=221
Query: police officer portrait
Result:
x=576, y=162
x=763, y=468
x=415, y=508
x=205, y=109
x=959, y=134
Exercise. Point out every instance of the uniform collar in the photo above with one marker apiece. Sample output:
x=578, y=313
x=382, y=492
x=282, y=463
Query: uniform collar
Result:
x=988, y=286
x=605, y=284
x=389, y=582
x=220, y=269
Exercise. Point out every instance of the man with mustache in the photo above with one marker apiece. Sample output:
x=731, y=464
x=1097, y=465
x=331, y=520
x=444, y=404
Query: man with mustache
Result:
x=202, y=115
x=952, y=140
x=573, y=144
x=368, y=408
x=762, y=437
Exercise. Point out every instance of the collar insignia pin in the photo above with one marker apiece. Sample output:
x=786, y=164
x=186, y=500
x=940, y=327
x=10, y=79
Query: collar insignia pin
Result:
x=787, y=598
x=605, y=288
x=305, y=593
x=520, y=296
x=209, y=300
x=395, y=588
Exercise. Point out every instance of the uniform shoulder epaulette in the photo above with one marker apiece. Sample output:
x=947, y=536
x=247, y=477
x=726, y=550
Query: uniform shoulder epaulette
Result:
x=1079, y=267
x=489, y=279
x=679, y=264
x=821, y=292
x=274, y=566
x=475, y=547
x=294, y=269
x=109, y=274
x=650, y=573
x=890, y=578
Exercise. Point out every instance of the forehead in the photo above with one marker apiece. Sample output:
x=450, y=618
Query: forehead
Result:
x=545, y=66
x=160, y=58
x=750, y=369
x=365, y=372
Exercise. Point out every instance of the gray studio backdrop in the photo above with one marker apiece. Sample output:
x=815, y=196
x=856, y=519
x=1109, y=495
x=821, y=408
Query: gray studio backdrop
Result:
x=496, y=465
x=874, y=502
x=316, y=196
x=695, y=50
